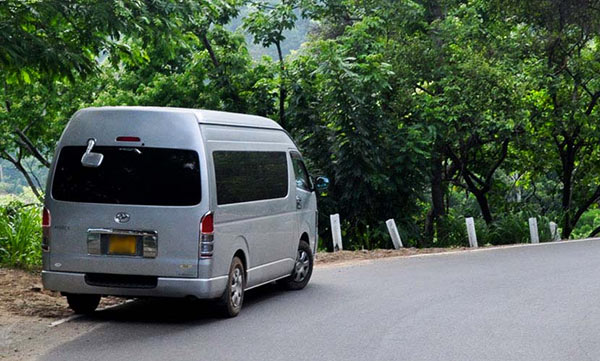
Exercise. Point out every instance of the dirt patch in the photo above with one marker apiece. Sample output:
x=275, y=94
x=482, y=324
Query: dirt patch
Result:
x=22, y=294
x=334, y=258
x=26, y=312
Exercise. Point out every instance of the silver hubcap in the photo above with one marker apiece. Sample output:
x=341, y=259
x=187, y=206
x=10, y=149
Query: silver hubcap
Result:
x=237, y=284
x=302, y=266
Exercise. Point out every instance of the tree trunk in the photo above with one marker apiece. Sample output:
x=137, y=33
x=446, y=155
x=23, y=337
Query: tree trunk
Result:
x=20, y=168
x=427, y=240
x=282, y=90
x=568, y=165
x=484, y=206
x=26, y=143
x=438, y=209
x=594, y=232
x=224, y=79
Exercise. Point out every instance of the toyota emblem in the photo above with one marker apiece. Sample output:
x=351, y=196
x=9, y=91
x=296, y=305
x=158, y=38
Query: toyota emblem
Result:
x=122, y=217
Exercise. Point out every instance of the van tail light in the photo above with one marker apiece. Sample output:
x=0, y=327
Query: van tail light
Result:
x=206, y=237
x=46, y=222
x=128, y=139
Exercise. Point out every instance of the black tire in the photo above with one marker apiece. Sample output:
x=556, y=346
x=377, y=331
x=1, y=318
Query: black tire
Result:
x=302, y=268
x=232, y=299
x=83, y=304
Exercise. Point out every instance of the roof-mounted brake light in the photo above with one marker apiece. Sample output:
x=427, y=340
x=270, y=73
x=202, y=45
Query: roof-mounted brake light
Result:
x=128, y=139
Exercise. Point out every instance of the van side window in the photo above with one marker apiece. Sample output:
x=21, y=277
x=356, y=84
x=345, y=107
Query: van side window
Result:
x=250, y=176
x=302, y=178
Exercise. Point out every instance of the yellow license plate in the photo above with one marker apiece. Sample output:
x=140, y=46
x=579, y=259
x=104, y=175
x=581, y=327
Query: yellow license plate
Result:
x=123, y=245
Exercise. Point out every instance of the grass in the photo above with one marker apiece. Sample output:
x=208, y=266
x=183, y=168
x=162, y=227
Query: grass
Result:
x=20, y=236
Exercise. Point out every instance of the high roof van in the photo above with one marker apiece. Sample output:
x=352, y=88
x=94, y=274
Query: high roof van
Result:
x=169, y=202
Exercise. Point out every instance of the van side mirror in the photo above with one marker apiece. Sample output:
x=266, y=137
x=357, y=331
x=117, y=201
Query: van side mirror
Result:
x=321, y=184
x=89, y=158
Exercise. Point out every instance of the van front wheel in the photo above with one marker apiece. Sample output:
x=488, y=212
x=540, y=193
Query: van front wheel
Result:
x=233, y=297
x=83, y=304
x=302, y=268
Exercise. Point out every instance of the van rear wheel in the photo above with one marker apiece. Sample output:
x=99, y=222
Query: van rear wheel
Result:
x=83, y=304
x=302, y=268
x=233, y=297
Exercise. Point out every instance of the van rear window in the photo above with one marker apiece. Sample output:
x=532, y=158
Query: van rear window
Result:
x=250, y=176
x=142, y=176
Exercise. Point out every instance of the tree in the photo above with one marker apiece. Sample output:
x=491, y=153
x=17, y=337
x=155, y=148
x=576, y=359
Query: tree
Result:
x=562, y=40
x=339, y=112
x=267, y=22
x=45, y=42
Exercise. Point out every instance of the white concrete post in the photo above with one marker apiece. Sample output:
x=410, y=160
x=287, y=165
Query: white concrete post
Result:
x=391, y=226
x=554, y=236
x=336, y=232
x=471, y=231
x=533, y=230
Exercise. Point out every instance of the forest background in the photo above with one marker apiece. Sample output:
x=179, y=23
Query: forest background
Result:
x=425, y=111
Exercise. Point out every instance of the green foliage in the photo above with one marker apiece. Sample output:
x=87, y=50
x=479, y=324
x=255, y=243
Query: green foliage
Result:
x=267, y=21
x=589, y=221
x=20, y=235
x=455, y=231
x=421, y=111
x=506, y=229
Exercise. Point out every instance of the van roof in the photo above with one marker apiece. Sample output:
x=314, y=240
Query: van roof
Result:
x=203, y=116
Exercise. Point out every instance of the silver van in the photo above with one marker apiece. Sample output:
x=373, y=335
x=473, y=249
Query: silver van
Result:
x=168, y=202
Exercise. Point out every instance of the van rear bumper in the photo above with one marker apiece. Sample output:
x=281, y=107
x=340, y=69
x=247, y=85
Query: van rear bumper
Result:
x=71, y=282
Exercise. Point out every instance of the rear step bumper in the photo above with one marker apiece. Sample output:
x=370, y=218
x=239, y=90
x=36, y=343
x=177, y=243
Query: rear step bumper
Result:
x=71, y=282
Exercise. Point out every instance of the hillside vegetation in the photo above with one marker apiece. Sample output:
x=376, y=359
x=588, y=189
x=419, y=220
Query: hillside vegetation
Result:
x=425, y=111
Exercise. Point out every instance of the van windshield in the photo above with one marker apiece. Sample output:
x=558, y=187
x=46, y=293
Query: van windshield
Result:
x=129, y=175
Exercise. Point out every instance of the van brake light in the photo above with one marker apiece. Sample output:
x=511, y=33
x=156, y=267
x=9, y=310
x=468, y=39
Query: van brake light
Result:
x=206, y=237
x=128, y=139
x=46, y=222
x=207, y=225
x=46, y=218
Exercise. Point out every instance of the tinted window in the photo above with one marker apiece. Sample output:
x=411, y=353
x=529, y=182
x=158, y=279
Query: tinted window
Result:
x=145, y=176
x=302, y=178
x=250, y=176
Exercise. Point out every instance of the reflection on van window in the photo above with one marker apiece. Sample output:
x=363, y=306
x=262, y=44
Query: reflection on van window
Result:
x=250, y=176
x=144, y=176
x=302, y=178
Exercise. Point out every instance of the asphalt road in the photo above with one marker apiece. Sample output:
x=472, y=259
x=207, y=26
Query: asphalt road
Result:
x=526, y=303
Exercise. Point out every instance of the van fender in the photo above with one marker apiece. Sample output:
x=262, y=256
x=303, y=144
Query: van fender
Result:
x=305, y=228
x=240, y=243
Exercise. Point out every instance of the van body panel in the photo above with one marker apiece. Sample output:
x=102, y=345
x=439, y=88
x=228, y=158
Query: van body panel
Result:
x=306, y=206
x=155, y=128
x=267, y=226
x=177, y=232
x=70, y=282
x=265, y=231
x=177, y=227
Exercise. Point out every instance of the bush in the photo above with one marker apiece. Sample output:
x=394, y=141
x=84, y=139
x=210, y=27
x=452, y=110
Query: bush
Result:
x=507, y=229
x=455, y=232
x=20, y=235
x=512, y=228
x=589, y=221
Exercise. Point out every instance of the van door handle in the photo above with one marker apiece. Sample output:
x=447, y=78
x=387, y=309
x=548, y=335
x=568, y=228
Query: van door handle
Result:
x=298, y=203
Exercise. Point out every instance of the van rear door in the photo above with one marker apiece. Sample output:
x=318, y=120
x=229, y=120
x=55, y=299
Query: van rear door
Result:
x=138, y=212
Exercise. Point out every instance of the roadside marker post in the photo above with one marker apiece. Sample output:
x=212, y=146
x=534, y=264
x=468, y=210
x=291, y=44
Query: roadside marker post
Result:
x=471, y=231
x=554, y=236
x=533, y=230
x=391, y=226
x=336, y=232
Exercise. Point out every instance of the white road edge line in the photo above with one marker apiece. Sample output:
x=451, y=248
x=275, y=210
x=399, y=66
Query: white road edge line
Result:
x=74, y=317
x=438, y=254
x=495, y=248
